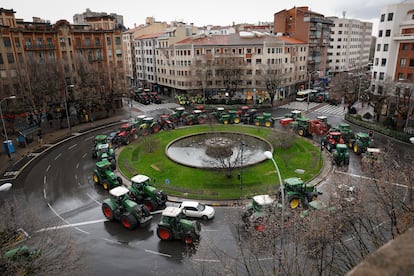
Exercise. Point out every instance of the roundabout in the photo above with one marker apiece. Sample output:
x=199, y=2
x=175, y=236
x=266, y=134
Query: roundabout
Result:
x=180, y=162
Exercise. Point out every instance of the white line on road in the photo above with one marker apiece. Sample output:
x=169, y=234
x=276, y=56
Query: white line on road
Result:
x=73, y=146
x=84, y=155
x=65, y=221
x=93, y=199
x=112, y=241
x=89, y=138
x=158, y=253
x=369, y=178
x=44, y=193
x=56, y=158
x=72, y=225
x=206, y=260
x=48, y=168
x=77, y=166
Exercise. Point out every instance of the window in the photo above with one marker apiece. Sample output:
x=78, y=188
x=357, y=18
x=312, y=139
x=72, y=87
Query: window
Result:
x=1, y=59
x=39, y=41
x=88, y=41
x=49, y=42
x=381, y=76
x=385, y=47
x=403, y=62
x=17, y=42
x=10, y=58
x=390, y=16
x=388, y=33
x=380, y=33
x=378, y=47
x=258, y=61
x=411, y=62
x=400, y=76
x=117, y=40
x=382, y=17
x=7, y=42
x=405, y=46
x=376, y=61
x=97, y=41
x=383, y=61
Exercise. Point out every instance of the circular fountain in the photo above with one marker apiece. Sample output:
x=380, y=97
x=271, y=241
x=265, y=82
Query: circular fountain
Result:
x=209, y=150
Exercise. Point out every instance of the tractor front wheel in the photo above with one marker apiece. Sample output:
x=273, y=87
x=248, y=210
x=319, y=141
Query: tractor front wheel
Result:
x=225, y=122
x=105, y=185
x=294, y=202
x=301, y=132
x=236, y=120
x=129, y=221
x=164, y=233
x=95, y=178
x=107, y=211
x=268, y=124
x=357, y=150
x=188, y=239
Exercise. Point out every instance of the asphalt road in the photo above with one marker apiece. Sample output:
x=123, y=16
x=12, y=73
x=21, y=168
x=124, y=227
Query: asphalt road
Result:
x=59, y=187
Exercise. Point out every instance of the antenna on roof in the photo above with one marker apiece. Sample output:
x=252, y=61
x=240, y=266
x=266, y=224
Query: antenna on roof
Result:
x=343, y=14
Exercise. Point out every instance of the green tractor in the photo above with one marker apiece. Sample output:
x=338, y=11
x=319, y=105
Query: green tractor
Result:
x=230, y=118
x=121, y=208
x=173, y=225
x=142, y=192
x=264, y=120
x=22, y=253
x=345, y=130
x=149, y=126
x=196, y=117
x=103, y=175
x=360, y=142
x=99, y=139
x=340, y=155
x=217, y=113
x=255, y=212
x=178, y=115
x=105, y=151
x=299, y=192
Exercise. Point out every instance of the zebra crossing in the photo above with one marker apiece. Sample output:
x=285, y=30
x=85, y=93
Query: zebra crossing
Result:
x=323, y=108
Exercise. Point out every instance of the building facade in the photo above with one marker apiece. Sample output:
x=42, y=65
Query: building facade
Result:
x=46, y=64
x=350, y=44
x=198, y=64
x=310, y=27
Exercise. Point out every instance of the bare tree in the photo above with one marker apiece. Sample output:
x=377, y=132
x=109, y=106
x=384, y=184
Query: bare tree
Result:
x=46, y=252
x=230, y=69
x=273, y=77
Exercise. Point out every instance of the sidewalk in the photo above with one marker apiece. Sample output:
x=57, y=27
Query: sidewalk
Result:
x=50, y=136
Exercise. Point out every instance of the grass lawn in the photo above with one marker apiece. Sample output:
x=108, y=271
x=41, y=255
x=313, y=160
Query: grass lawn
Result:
x=147, y=156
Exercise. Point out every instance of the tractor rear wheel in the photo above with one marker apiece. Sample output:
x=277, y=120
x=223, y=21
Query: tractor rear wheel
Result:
x=226, y=122
x=108, y=211
x=129, y=221
x=164, y=233
x=268, y=124
x=301, y=132
x=236, y=120
x=257, y=123
x=105, y=185
x=294, y=201
x=155, y=128
x=95, y=178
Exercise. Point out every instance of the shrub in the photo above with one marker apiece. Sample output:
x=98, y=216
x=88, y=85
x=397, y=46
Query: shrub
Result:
x=352, y=110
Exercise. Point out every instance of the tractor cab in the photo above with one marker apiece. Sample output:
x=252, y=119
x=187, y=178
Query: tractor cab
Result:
x=262, y=203
x=100, y=139
x=119, y=193
x=140, y=181
x=103, y=165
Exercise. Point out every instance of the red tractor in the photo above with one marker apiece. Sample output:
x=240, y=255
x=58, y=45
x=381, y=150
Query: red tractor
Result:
x=165, y=122
x=290, y=117
x=330, y=140
x=306, y=127
x=124, y=135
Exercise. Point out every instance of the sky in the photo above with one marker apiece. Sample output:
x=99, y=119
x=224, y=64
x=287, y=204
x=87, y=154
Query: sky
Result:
x=201, y=13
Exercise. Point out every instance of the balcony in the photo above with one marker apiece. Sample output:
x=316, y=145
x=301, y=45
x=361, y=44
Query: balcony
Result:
x=403, y=37
x=88, y=46
x=39, y=47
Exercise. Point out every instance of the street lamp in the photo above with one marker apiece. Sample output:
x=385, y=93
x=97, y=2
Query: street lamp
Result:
x=269, y=155
x=4, y=125
x=66, y=104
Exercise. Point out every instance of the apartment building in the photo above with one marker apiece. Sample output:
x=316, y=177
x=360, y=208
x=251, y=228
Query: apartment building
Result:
x=394, y=58
x=193, y=64
x=350, y=44
x=40, y=60
x=310, y=27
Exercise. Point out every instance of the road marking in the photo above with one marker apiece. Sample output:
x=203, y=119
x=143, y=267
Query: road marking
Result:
x=112, y=241
x=60, y=154
x=71, y=225
x=89, y=138
x=93, y=198
x=158, y=253
x=370, y=178
x=73, y=146
x=206, y=260
x=84, y=155
x=44, y=193
x=48, y=168
x=77, y=165
x=65, y=221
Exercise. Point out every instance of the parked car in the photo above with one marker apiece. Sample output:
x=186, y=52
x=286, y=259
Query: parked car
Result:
x=195, y=209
